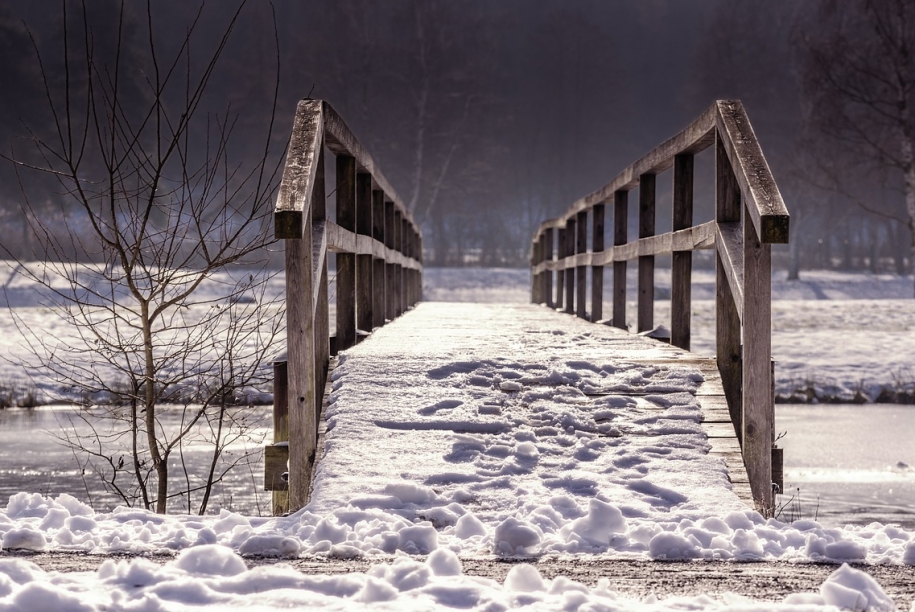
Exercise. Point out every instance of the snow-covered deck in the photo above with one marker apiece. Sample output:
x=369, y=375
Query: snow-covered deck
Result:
x=515, y=418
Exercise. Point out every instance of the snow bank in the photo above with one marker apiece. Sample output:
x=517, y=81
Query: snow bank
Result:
x=214, y=576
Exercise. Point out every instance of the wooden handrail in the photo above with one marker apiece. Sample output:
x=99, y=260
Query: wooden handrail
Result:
x=745, y=189
x=379, y=269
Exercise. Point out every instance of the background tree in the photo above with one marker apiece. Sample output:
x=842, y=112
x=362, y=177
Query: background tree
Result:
x=173, y=306
x=859, y=76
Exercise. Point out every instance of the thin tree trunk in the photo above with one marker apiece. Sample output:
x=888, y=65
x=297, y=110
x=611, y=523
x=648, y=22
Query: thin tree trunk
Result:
x=149, y=386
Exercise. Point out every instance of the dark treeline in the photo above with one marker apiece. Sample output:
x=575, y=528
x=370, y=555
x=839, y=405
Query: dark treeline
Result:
x=489, y=117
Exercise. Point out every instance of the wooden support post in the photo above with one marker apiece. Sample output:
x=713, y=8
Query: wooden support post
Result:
x=300, y=351
x=727, y=318
x=364, y=285
x=597, y=272
x=581, y=272
x=681, y=261
x=620, y=237
x=322, y=307
x=404, y=249
x=758, y=409
x=390, y=269
x=560, y=274
x=570, y=272
x=280, y=432
x=646, y=262
x=346, y=262
x=378, y=275
x=535, y=277
x=398, y=270
x=548, y=274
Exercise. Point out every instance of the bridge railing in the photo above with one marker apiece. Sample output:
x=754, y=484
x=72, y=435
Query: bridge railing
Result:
x=378, y=248
x=749, y=217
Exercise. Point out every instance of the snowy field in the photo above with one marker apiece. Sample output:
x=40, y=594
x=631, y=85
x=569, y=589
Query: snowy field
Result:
x=563, y=485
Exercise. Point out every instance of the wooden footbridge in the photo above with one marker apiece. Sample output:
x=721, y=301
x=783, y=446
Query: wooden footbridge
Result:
x=378, y=251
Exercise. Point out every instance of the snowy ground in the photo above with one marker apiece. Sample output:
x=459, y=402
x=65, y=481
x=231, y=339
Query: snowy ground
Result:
x=505, y=454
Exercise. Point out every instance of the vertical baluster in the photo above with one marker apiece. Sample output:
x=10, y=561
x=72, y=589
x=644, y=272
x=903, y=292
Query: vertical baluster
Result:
x=560, y=273
x=548, y=274
x=620, y=237
x=646, y=262
x=570, y=271
x=364, y=285
x=398, y=270
x=390, y=268
x=581, y=272
x=346, y=262
x=378, y=282
x=681, y=261
x=597, y=272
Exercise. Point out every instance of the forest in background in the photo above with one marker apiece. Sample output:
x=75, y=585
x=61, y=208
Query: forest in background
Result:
x=489, y=117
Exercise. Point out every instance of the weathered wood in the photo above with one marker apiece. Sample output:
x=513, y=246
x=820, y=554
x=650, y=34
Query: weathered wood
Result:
x=280, y=498
x=560, y=273
x=293, y=198
x=764, y=201
x=404, y=250
x=548, y=240
x=398, y=270
x=597, y=272
x=378, y=267
x=390, y=268
x=727, y=315
x=620, y=237
x=758, y=412
x=646, y=262
x=275, y=458
x=570, y=275
x=346, y=262
x=681, y=260
x=364, y=286
x=320, y=307
x=581, y=271
x=730, y=250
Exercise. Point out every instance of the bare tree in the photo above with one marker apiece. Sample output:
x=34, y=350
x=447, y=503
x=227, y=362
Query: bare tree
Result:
x=860, y=77
x=172, y=216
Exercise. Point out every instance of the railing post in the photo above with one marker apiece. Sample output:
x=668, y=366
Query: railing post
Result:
x=379, y=285
x=570, y=272
x=681, y=263
x=535, y=277
x=581, y=272
x=597, y=272
x=548, y=274
x=560, y=274
x=346, y=262
x=322, y=308
x=727, y=318
x=390, y=289
x=364, y=285
x=280, y=499
x=398, y=270
x=620, y=237
x=758, y=409
x=404, y=250
x=646, y=262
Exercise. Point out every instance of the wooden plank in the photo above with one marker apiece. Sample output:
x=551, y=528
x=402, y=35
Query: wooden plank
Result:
x=764, y=201
x=681, y=261
x=549, y=239
x=597, y=271
x=646, y=262
x=404, y=250
x=390, y=268
x=719, y=429
x=581, y=271
x=620, y=237
x=275, y=459
x=321, y=307
x=293, y=199
x=346, y=261
x=280, y=499
x=730, y=250
x=364, y=286
x=560, y=272
x=570, y=275
x=758, y=409
x=398, y=269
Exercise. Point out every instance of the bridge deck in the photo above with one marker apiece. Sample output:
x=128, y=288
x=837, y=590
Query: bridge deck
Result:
x=498, y=410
